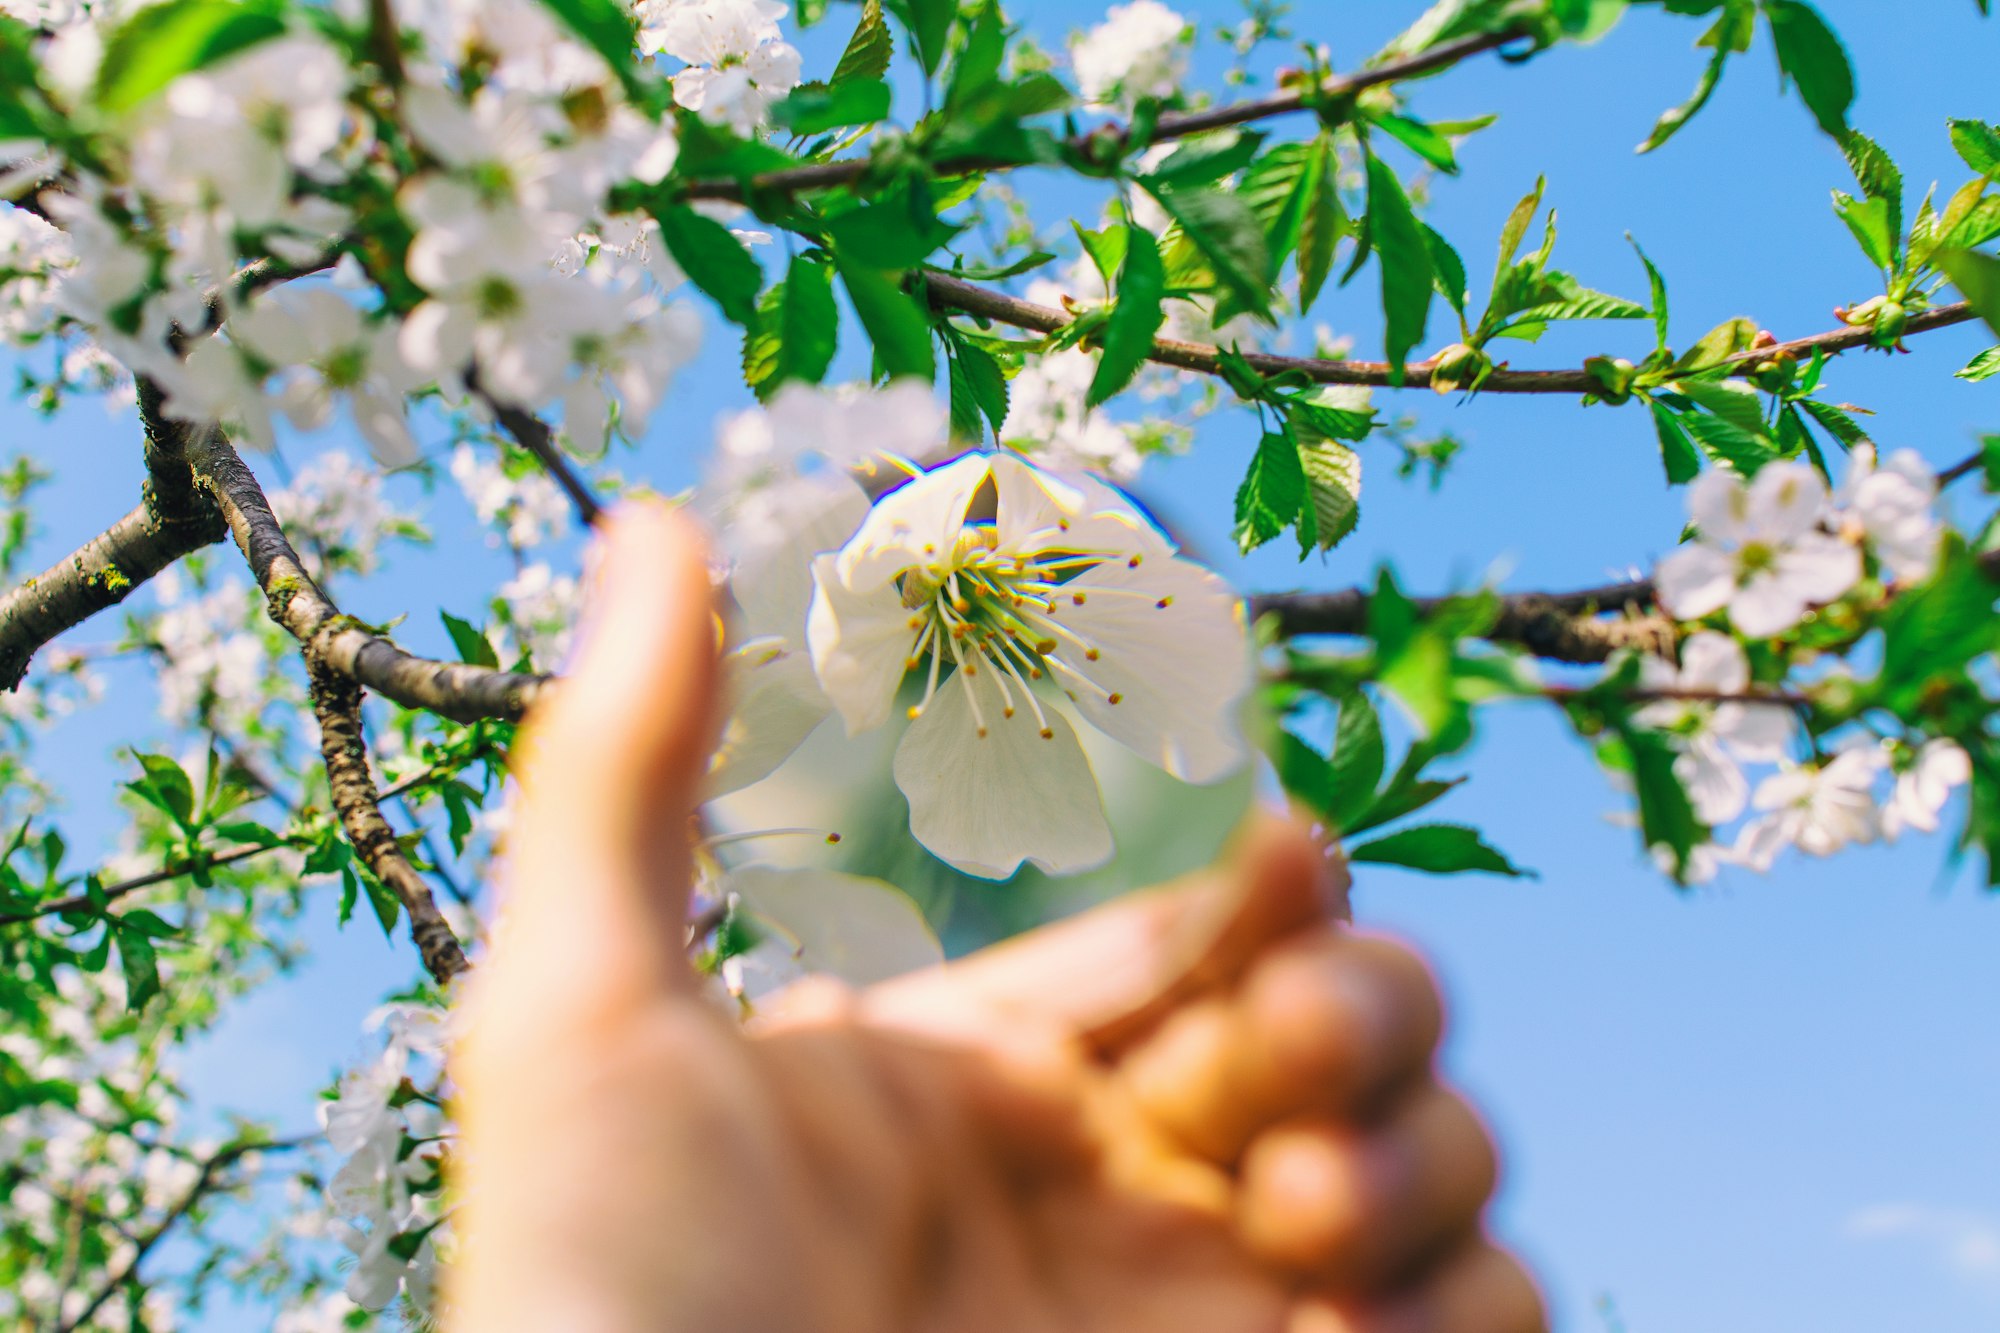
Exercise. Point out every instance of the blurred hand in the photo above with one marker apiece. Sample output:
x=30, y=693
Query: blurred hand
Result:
x=1200, y=1109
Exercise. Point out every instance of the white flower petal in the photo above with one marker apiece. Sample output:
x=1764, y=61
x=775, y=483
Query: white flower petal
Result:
x=1712, y=661
x=1766, y=604
x=777, y=704
x=1718, y=505
x=917, y=522
x=1179, y=670
x=860, y=644
x=1820, y=568
x=1695, y=581
x=986, y=804
x=857, y=929
x=1785, y=501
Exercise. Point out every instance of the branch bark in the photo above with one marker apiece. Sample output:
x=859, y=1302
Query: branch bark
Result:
x=173, y=519
x=1562, y=627
x=948, y=293
x=826, y=175
x=337, y=705
x=449, y=689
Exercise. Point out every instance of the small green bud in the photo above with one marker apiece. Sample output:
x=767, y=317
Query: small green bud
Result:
x=1460, y=367
x=1613, y=376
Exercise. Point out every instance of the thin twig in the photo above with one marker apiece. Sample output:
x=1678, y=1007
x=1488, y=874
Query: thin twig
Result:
x=1563, y=627
x=949, y=293
x=533, y=434
x=826, y=175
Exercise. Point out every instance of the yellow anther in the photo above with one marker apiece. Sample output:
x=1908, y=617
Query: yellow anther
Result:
x=916, y=711
x=1091, y=654
x=1076, y=599
x=1048, y=733
x=1045, y=645
x=1133, y=563
x=1008, y=711
x=833, y=837
x=1115, y=698
x=1164, y=603
x=982, y=733
x=912, y=663
x=916, y=622
x=960, y=605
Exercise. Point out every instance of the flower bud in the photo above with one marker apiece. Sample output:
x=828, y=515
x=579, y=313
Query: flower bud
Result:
x=1613, y=376
x=1774, y=374
x=1890, y=322
x=1459, y=367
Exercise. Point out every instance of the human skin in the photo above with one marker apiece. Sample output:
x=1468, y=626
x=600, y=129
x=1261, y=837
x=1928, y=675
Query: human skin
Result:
x=1203, y=1108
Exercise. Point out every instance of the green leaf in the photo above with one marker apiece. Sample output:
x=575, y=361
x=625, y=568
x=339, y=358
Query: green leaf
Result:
x=1724, y=33
x=1984, y=366
x=1581, y=303
x=1205, y=160
x=1718, y=345
x=1321, y=223
x=1979, y=224
x=1226, y=232
x=1810, y=55
x=156, y=46
x=1106, y=249
x=900, y=229
x=817, y=108
x=1727, y=442
x=1666, y=816
x=1837, y=423
x=1272, y=492
x=141, y=966
x=1877, y=174
x=714, y=260
x=1868, y=219
x=1333, y=493
x=975, y=72
x=896, y=323
x=1977, y=278
x=1404, y=255
x=1278, y=188
x=1936, y=629
x=1677, y=452
x=1732, y=400
x=605, y=26
x=1447, y=269
x=1438, y=849
x=983, y=379
x=167, y=786
x=929, y=24
x=808, y=323
x=1135, y=319
x=1657, y=286
x=1419, y=138
x=868, y=50
x=472, y=646
x=380, y=898
x=1978, y=143
x=1516, y=227
x=1358, y=760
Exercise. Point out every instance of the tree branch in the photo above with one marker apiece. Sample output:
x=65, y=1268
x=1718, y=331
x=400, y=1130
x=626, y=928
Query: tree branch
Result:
x=948, y=293
x=533, y=434
x=1563, y=627
x=826, y=175
x=173, y=519
x=450, y=689
x=337, y=705
x=204, y=1182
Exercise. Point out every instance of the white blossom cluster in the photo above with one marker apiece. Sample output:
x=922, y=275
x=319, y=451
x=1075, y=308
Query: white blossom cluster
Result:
x=737, y=60
x=1139, y=51
x=389, y=1186
x=1766, y=554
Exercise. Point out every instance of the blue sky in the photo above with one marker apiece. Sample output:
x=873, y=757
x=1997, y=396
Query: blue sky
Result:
x=1763, y=1105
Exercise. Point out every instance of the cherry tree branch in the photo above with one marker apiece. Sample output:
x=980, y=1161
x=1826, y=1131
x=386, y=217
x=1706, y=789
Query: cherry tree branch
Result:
x=1562, y=627
x=826, y=175
x=951, y=294
x=337, y=705
x=174, y=519
x=205, y=1182
x=533, y=434
x=450, y=689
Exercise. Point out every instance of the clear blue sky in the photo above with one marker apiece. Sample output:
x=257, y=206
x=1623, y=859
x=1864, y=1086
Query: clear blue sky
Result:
x=1767, y=1105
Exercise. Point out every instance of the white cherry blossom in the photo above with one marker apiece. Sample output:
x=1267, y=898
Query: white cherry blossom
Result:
x=531, y=505
x=1819, y=809
x=1758, y=551
x=1714, y=737
x=1139, y=51
x=1048, y=420
x=738, y=62
x=1890, y=506
x=1923, y=787
x=1002, y=586
x=327, y=350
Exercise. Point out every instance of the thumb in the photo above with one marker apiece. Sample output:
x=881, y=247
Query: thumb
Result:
x=599, y=862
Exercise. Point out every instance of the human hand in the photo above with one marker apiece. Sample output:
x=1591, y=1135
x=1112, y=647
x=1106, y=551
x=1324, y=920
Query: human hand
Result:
x=1202, y=1108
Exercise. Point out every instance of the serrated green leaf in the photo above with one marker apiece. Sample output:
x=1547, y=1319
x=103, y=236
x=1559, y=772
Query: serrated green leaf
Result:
x=1419, y=138
x=1321, y=223
x=929, y=23
x=1868, y=219
x=1437, y=849
x=1516, y=227
x=141, y=968
x=1732, y=400
x=471, y=645
x=1273, y=489
x=1106, y=249
x=816, y=108
x=1278, y=186
x=1674, y=117
x=869, y=49
x=1727, y=442
x=1978, y=143
x=1678, y=455
x=1937, y=628
x=1811, y=56
x=1838, y=424
x=1404, y=256
x=1333, y=492
x=1666, y=816
x=1447, y=269
x=1135, y=318
x=1877, y=174
x=1982, y=367
x=1657, y=287
x=167, y=786
x=155, y=46
x=714, y=261
x=1718, y=345
x=1205, y=160
x=1358, y=760
x=1977, y=278
x=808, y=323
x=1224, y=230
x=896, y=323
x=984, y=378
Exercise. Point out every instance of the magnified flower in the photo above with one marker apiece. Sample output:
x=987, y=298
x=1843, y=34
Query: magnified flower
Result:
x=1008, y=592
